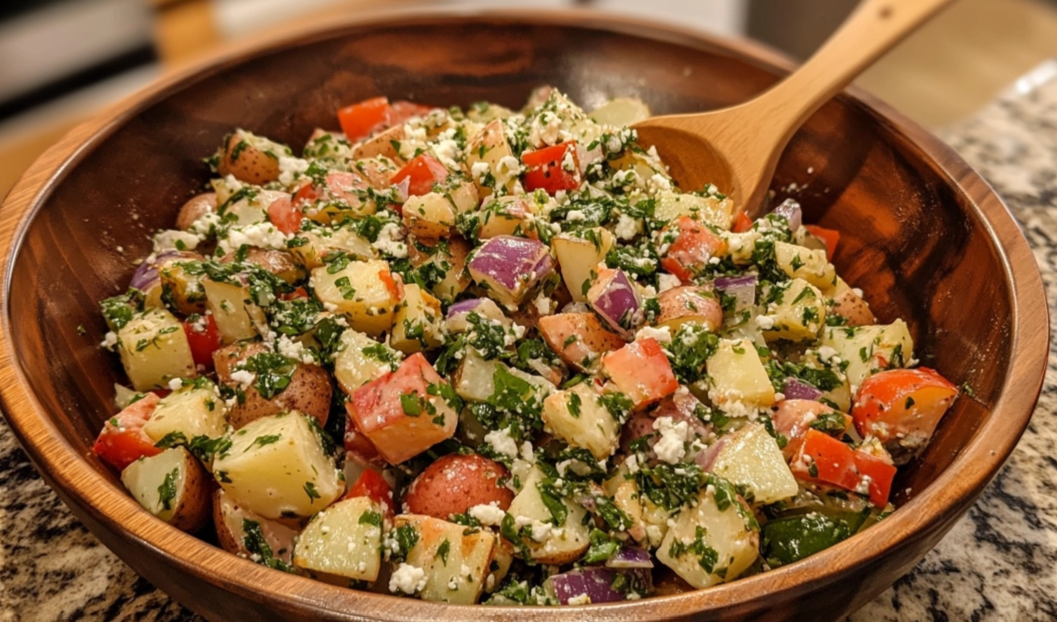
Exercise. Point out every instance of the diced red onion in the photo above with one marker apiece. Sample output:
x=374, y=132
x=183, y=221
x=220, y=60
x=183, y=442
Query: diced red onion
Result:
x=594, y=582
x=464, y=306
x=401, y=188
x=796, y=389
x=617, y=303
x=742, y=288
x=790, y=210
x=146, y=274
x=510, y=267
x=707, y=458
x=630, y=557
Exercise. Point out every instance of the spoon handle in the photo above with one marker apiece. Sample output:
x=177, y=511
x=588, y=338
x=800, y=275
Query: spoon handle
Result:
x=873, y=28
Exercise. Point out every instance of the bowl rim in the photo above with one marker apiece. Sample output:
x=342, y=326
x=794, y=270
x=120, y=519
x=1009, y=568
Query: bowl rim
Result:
x=952, y=491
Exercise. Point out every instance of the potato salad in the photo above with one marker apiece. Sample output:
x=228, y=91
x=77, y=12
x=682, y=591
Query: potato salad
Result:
x=497, y=356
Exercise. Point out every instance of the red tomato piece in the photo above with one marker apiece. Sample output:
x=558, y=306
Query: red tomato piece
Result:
x=204, y=339
x=300, y=292
x=403, y=110
x=829, y=236
x=793, y=418
x=826, y=460
x=372, y=485
x=285, y=216
x=903, y=405
x=641, y=371
x=693, y=245
x=393, y=283
x=122, y=440
x=306, y=194
x=359, y=121
x=552, y=168
x=421, y=172
x=742, y=223
x=400, y=413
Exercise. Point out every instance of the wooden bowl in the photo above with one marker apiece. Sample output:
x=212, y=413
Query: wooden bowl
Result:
x=921, y=233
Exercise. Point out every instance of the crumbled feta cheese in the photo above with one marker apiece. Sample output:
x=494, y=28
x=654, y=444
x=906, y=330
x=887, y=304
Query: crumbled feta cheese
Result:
x=390, y=240
x=290, y=169
x=662, y=334
x=826, y=353
x=243, y=377
x=765, y=322
x=574, y=215
x=670, y=448
x=540, y=530
x=447, y=150
x=407, y=579
x=582, y=599
x=502, y=442
x=659, y=183
x=667, y=281
x=544, y=305
x=294, y=350
x=170, y=240
x=479, y=170
x=175, y=384
x=487, y=514
x=627, y=227
x=109, y=340
x=632, y=462
x=260, y=235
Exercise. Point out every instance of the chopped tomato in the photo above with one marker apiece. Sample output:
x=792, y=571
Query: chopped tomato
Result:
x=903, y=405
x=552, y=168
x=359, y=121
x=403, y=110
x=204, y=339
x=300, y=292
x=393, y=283
x=641, y=371
x=742, y=223
x=307, y=193
x=826, y=460
x=694, y=244
x=421, y=172
x=372, y=485
x=122, y=440
x=793, y=418
x=285, y=216
x=404, y=412
x=829, y=236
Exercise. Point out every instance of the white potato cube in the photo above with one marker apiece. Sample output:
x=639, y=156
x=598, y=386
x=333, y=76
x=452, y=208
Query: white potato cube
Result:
x=364, y=291
x=344, y=540
x=361, y=359
x=709, y=210
x=417, y=324
x=278, y=466
x=475, y=379
x=429, y=216
x=191, y=411
x=798, y=315
x=548, y=543
x=455, y=559
x=805, y=263
x=154, y=350
x=577, y=417
x=230, y=306
x=737, y=375
x=870, y=349
x=750, y=457
x=171, y=485
x=579, y=255
x=319, y=242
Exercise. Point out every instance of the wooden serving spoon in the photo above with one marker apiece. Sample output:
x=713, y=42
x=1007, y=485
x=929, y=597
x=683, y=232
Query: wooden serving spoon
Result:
x=737, y=148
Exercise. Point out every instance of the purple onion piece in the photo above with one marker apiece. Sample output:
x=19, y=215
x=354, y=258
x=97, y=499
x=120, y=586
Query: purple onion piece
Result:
x=707, y=458
x=795, y=389
x=617, y=302
x=630, y=557
x=742, y=288
x=464, y=306
x=596, y=583
x=146, y=274
x=510, y=267
x=790, y=210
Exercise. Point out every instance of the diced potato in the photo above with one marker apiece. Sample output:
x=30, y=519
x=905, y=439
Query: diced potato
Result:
x=448, y=258
x=344, y=540
x=463, y=197
x=417, y=325
x=181, y=288
x=578, y=255
x=364, y=291
x=870, y=349
x=455, y=559
x=621, y=112
x=381, y=144
x=853, y=309
x=558, y=544
x=246, y=533
x=689, y=303
x=475, y=379
x=579, y=339
x=577, y=417
x=710, y=210
x=154, y=350
x=750, y=457
x=708, y=545
x=429, y=216
x=191, y=411
x=172, y=486
x=737, y=375
x=405, y=412
x=230, y=306
x=799, y=313
x=509, y=215
x=319, y=242
x=490, y=148
x=361, y=359
x=280, y=466
x=803, y=263
x=649, y=521
x=250, y=158
x=641, y=371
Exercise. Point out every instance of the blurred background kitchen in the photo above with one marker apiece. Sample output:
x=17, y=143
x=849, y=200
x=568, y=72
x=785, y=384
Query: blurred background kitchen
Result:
x=63, y=60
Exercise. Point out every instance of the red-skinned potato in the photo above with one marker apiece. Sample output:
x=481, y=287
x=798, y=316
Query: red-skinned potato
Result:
x=172, y=486
x=854, y=309
x=279, y=263
x=579, y=339
x=641, y=371
x=901, y=407
x=195, y=208
x=793, y=418
x=309, y=390
x=230, y=520
x=248, y=160
x=455, y=483
x=689, y=303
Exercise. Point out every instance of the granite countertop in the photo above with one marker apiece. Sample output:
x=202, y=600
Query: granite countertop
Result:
x=998, y=563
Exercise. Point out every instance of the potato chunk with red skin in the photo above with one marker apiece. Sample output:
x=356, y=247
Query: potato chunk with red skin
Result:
x=902, y=405
x=455, y=483
x=689, y=303
x=401, y=414
x=641, y=371
x=825, y=460
x=693, y=245
x=578, y=338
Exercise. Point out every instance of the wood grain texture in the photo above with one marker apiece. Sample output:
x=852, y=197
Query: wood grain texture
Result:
x=922, y=234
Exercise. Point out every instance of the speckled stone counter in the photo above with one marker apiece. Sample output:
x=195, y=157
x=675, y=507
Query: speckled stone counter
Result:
x=998, y=563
